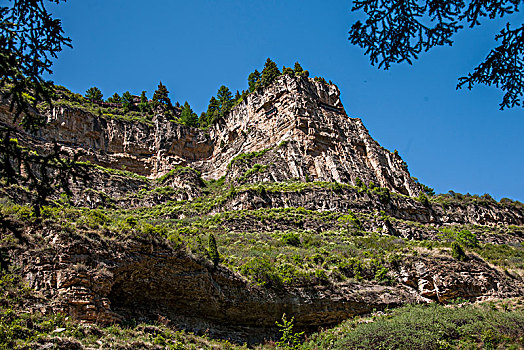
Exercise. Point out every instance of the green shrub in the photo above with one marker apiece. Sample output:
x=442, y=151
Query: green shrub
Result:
x=232, y=191
x=464, y=237
x=316, y=258
x=337, y=187
x=131, y=221
x=290, y=275
x=428, y=190
x=262, y=271
x=351, y=268
x=360, y=184
x=245, y=157
x=381, y=274
x=260, y=189
x=291, y=238
x=457, y=252
x=427, y=327
x=467, y=238
x=96, y=218
x=178, y=170
x=157, y=230
x=320, y=276
x=349, y=221
x=422, y=198
x=383, y=194
x=257, y=168
x=503, y=255
x=165, y=191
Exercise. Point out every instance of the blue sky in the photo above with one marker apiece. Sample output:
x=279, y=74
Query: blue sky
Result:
x=451, y=140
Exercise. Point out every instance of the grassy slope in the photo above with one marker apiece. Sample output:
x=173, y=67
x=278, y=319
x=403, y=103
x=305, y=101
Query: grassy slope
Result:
x=279, y=246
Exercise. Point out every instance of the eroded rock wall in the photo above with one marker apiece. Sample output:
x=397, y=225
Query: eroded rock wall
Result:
x=301, y=118
x=100, y=279
x=149, y=149
x=316, y=140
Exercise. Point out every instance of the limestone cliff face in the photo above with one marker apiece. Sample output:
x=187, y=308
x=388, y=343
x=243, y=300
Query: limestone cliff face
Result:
x=146, y=149
x=301, y=121
x=304, y=123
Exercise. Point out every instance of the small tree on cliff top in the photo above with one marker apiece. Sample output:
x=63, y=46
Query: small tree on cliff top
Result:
x=162, y=95
x=127, y=100
x=144, y=104
x=94, y=94
x=115, y=98
x=209, y=117
x=299, y=71
x=253, y=80
x=225, y=99
x=270, y=72
x=287, y=71
x=187, y=116
x=298, y=68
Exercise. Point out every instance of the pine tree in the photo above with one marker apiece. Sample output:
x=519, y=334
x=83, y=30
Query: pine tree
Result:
x=216, y=116
x=207, y=118
x=161, y=95
x=299, y=71
x=127, y=101
x=237, y=96
x=212, y=249
x=225, y=100
x=94, y=94
x=115, y=98
x=398, y=31
x=254, y=80
x=270, y=72
x=187, y=116
x=144, y=105
x=298, y=68
x=143, y=97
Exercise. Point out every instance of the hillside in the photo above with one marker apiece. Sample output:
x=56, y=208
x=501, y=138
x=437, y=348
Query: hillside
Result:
x=312, y=218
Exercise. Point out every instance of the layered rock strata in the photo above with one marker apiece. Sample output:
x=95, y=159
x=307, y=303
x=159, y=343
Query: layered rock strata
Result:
x=104, y=280
x=322, y=142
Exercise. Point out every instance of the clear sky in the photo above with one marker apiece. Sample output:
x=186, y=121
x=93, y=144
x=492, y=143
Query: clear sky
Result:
x=451, y=140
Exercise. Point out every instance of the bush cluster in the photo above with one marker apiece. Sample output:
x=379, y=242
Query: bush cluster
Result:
x=428, y=327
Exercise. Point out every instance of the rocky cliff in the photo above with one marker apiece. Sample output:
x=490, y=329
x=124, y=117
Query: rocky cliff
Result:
x=303, y=123
x=300, y=121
